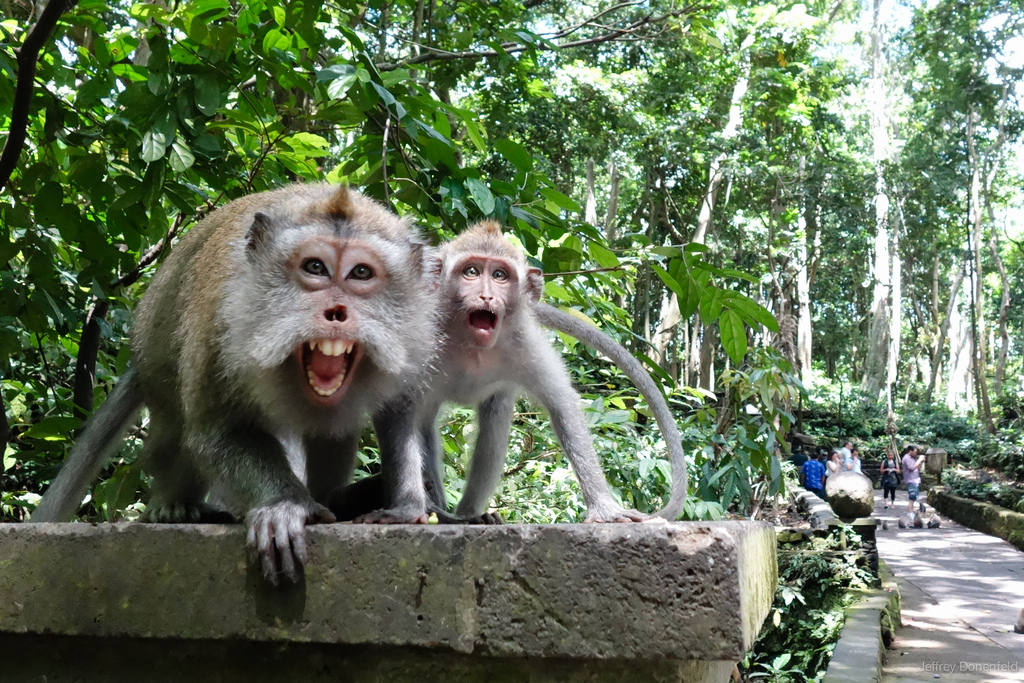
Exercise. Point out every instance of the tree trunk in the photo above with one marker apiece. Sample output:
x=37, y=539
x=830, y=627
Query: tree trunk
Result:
x=803, y=289
x=876, y=361
x=895, y=316
x=1004, y=307
x=940, y=339
x=610, y=222
x=978, y=312
x=958, y=386
x=590, y=207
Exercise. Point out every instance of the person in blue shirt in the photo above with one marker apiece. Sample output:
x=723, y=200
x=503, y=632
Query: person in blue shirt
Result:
x=813, y=475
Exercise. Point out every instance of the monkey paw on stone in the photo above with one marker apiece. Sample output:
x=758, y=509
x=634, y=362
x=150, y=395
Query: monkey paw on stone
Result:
x=400, y=515
x=277, y=534
x=619, y=515
x=177, y=512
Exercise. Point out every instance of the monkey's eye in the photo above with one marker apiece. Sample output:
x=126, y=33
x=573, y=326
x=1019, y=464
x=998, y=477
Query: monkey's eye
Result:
x=471, y=271
x=315, y=266
x=499, y=275
x=361, y=272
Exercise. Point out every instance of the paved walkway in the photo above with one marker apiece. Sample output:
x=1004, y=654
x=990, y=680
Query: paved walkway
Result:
x=962, y=591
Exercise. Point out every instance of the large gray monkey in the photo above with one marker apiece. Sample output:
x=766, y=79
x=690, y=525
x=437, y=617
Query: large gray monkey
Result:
x=274, y=328
x=493, y=347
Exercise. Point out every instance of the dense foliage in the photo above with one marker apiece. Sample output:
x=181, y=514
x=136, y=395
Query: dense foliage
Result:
x=704, y=181
x=1010, y=497
x=818, y=580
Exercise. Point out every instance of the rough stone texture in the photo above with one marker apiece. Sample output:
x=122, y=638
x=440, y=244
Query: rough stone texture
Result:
x=850, y=494
x=70, y=659
x=820, y=514
x=935, y=461
x=664, y=594
x=984, y=517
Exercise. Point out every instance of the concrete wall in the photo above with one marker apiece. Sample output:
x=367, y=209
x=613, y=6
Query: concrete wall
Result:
x=614, y=602
x=984, y=517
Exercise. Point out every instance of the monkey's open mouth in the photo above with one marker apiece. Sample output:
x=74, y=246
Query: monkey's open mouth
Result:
x=327, y=363
x=483, y=320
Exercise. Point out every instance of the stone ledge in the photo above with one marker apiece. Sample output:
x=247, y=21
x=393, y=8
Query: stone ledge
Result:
x=860, y=652
x=659, y=591
x=819, y=512
x=984, y=517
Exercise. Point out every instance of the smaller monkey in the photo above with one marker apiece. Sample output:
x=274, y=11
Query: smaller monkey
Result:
x=492, y=347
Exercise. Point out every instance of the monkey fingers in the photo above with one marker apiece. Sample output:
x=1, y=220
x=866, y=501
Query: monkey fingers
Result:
x=487, y=518
x=617, y=516
x=277, y=533
x=395, y=516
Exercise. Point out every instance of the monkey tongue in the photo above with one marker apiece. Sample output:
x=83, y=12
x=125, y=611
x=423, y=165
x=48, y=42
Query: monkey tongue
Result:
x=483, y=326
x=326, y=373
x=483, y=320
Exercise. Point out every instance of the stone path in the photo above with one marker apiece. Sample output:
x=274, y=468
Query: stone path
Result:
x=961, y=593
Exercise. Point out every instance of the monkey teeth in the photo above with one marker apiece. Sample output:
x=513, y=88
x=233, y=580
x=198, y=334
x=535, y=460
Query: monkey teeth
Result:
x=325, y=390
x=327, y=363
x=331, y=347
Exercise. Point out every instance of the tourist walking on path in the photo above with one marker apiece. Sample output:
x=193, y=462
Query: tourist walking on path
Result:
x=890, y=479
x=813, y=474
x=912, y=474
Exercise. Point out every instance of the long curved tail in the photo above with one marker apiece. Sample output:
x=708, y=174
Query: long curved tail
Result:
x=556, y=319
x=101, y=438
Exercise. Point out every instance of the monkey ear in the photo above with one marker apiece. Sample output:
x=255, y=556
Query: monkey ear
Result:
x=258, y=232
x=434, y=268
x=534, y=284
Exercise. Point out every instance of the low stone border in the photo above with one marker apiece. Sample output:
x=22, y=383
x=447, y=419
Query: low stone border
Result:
x=869, y=628
x=984, y=517
x=818, y=511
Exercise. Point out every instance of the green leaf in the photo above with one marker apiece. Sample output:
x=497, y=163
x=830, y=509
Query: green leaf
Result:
x=711, y=305
x=475, y=134
x=752, y=312
x=340, y=78
x=605, y=258
x=481, y=195
x=181, y=156
x=9, y=459
x=154, y=144
x=669, y=281
x=560, y=200
x=515, y=153
x=734, y=336
x=52, y=429
x=207, y=94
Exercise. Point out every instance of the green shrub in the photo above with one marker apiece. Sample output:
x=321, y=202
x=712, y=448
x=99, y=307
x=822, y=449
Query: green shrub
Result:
x=813, y=593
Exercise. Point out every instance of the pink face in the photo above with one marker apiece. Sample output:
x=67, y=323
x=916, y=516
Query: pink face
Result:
x=335, y=274
x=485, y=286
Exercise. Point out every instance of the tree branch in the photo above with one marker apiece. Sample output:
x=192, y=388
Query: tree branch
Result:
x=434, y=55
x=28, y=54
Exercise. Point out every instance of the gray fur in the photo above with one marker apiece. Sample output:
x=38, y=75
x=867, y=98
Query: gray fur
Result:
x=215, y=354
x=551, y=317
x=490, y=377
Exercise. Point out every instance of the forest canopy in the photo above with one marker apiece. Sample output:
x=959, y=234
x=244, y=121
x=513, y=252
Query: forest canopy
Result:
x=800, y=215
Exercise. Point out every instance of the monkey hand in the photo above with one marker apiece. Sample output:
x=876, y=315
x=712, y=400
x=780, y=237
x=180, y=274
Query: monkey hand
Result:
x=488, y=518
x=402, y=515
x=603, y=516
x=277, y=534
x=177, y=512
